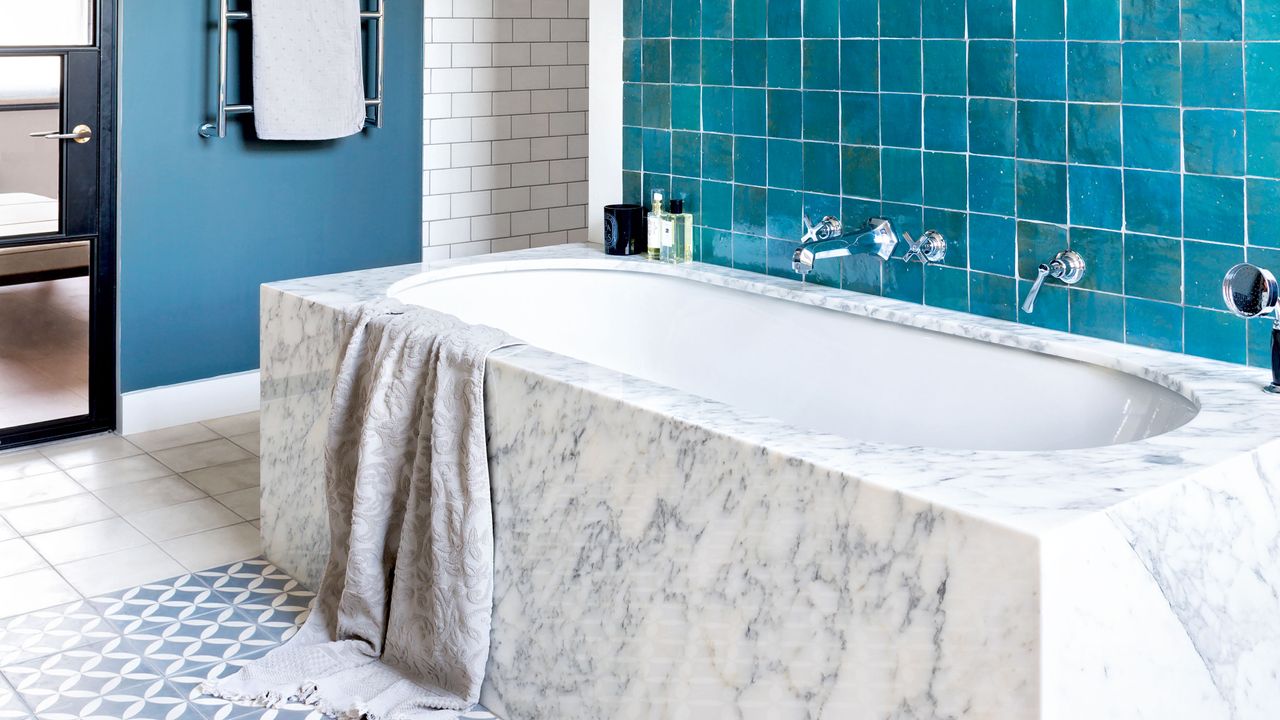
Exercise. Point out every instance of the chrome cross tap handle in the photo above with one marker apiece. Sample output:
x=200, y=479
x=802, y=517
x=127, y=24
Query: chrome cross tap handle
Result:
x=829, y=227
x=1067, y=266
x=930, y=248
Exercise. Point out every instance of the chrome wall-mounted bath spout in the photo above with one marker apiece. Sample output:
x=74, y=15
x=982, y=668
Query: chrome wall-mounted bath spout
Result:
x=827, y=240
x=1067, y=266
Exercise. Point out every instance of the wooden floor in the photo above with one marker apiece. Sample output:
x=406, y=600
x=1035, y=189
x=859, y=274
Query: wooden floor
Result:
x=44, y=351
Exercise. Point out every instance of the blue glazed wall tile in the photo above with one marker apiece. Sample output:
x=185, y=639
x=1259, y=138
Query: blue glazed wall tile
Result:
x=1263, y=197
x=1264, y=144
x=1212, y=74
x=1152, y=137
x=992, y=244
x=1262, y=21
x=1213, y=142
x=1215, y=335
x=1041, y=70
x=1153, y=267
x=860, y=65
x=786, y=164
x=1152, y=73
x=945, y=124
x=900, y=62
x=1093, y=134
x=991, y=185
x=1153, y=202
x=1097, y=197
x=1151, y=19
x=1153, y=324
x=717, y=62
x=1213, y=19
x=1040, y=19
x=1097, y=315
x=943, y=18
x=1041, y=191
x=1093, y=72
x=784, y=64
x=686, y=107
x=946, y=65
x=1213, y=208
x=1042, y=131
x=1094, y=20
x=992, y=126
x=859, y=18
x=993, y=296
x=1017, y=129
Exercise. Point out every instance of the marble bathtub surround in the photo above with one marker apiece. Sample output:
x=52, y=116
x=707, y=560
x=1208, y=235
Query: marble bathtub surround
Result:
x=1138, y=133
x=401, y=621
x=728, y=563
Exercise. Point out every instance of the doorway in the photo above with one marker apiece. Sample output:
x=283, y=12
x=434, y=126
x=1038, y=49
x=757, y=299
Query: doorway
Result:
x=57, y=219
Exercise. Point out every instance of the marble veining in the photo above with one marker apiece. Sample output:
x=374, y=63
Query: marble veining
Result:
x=661, y=555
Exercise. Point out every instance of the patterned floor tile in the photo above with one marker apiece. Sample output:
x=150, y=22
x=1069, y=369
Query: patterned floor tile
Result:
x=70, y=681
x=197, y=642
x=74, y=661
x=180, y=598
x=11, y=706
x=46, y=632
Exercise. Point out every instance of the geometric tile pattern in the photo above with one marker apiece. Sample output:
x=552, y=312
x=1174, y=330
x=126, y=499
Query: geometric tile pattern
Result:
x=141, y=653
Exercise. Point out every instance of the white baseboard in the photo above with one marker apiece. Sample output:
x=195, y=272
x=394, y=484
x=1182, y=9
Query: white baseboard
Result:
x=163, y=407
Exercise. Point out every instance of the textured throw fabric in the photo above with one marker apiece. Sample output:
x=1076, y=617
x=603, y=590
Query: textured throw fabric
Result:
x=308, y=69
x=400, y=627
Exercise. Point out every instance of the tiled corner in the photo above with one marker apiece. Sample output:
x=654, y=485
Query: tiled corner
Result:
x=1129, y=126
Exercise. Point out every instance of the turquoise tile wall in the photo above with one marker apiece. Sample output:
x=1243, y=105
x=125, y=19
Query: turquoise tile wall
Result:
x=1144, y=134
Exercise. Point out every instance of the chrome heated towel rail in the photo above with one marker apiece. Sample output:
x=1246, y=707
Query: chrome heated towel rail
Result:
x=218, y=128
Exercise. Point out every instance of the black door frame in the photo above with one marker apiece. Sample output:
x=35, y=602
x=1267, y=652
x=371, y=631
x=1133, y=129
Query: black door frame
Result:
x=103, y=376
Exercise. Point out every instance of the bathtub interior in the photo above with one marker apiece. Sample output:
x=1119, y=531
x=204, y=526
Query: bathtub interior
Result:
x=814, y=368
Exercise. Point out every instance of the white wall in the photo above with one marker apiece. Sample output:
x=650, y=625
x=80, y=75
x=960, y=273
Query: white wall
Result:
x=505, y=157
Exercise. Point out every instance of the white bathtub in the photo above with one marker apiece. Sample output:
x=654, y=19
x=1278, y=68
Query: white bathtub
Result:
x=815, y=368
x=725, y=495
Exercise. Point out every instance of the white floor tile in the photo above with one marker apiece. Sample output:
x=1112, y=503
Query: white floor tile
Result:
x=118, y=472
x=215, y=547
x=7, y=532
x=24, y=464
x=37, y=488
x=245, y=503
x=149, y=494
x=184, y=519
x=35, y=590
x=119, y=570
x=227, y=478
x=57, y=514
x=16, y=556
x=202, y=455
x=89, y=540
x=249, y=441
x=234, y=425
x=87, y=452
x=172, y=437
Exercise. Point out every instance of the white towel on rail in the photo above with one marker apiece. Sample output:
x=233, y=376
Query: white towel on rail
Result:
x=308, y=69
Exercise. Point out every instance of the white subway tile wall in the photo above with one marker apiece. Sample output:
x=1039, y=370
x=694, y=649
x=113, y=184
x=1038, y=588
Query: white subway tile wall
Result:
x=505, y=125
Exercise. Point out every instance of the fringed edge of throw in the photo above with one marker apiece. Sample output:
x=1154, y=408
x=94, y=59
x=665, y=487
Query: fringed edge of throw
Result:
x=308, y=694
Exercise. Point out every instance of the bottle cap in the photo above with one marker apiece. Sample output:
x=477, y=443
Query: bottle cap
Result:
x=677, y=207
x=657, y=196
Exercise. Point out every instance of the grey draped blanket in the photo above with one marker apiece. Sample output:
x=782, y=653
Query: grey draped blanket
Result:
x=400, y=626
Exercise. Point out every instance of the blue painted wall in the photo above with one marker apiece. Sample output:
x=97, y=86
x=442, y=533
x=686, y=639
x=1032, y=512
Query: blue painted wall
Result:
x=1144, y=134
x=204, y=222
